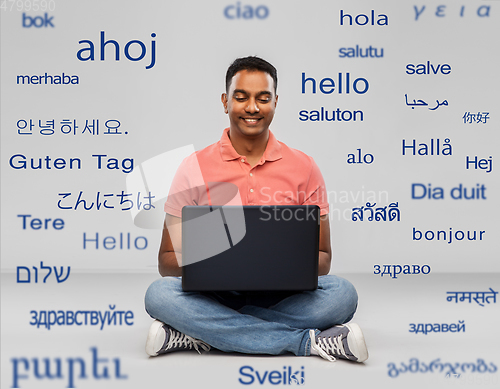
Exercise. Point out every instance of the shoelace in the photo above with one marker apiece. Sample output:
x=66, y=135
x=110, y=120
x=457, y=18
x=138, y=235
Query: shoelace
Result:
x=327, y=346
x=178, y=339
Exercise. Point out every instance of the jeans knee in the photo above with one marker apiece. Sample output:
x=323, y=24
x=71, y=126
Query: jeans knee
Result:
x=342, y=296
x=150, y=297
x=158, y=293
x=351, y=295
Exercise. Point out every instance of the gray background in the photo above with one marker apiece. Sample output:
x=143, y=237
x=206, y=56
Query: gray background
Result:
x=177, y=103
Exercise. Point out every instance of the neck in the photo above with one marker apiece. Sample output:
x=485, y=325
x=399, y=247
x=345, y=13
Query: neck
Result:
x=250, y=147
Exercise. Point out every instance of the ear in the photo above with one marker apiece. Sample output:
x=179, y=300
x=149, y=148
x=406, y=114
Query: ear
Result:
x=223, y=98
x=276, y=101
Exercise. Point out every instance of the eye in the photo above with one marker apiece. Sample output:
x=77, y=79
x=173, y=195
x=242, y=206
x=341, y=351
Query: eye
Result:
x=240, y=97
x=264, y=98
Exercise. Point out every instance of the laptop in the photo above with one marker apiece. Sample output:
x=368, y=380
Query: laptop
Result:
x=250, y=248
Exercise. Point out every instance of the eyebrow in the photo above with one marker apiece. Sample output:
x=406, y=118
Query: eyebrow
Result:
x=265, y=92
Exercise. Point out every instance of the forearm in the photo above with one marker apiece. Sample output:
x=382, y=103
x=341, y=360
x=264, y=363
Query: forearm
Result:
x=168, y=264
x=324, y=263
x=170, y=253
x=325, y=249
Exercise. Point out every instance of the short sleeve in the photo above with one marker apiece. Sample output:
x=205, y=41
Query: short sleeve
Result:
x=316, y=191
x=187, y=188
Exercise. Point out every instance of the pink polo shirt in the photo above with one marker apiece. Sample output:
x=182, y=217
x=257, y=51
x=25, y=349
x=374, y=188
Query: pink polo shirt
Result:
x=215, y=175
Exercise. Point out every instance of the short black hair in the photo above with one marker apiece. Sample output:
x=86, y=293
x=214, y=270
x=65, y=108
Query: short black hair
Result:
x=251, y=63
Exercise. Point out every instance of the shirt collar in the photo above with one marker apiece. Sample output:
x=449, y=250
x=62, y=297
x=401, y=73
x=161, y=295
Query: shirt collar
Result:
x=228, y=153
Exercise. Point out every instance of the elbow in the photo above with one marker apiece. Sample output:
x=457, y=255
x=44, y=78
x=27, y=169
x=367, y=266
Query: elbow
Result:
x=162, y=265
x=161, y=269
x=168, y=265
x=325, y=260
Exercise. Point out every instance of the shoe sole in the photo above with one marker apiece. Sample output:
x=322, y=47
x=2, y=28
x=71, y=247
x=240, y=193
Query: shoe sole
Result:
x=154, y=341
x=356, y=342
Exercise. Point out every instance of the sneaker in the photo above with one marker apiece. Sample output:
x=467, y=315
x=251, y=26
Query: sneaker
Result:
x=344, y=341
x=164, y=339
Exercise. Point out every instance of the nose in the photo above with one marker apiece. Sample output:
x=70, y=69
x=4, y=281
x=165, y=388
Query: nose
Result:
x=252, y=106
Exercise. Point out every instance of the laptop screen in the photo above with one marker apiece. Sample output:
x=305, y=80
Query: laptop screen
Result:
x=250, y=248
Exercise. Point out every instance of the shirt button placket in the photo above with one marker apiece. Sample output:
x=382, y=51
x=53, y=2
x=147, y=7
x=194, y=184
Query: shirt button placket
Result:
x=251, y=184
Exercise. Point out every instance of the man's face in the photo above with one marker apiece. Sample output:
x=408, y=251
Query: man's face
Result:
x=250, y=102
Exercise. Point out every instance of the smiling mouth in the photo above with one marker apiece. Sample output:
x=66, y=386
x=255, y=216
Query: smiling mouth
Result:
x=251, y=120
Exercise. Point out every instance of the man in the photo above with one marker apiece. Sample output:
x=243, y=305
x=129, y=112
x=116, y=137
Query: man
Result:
x=249, y=156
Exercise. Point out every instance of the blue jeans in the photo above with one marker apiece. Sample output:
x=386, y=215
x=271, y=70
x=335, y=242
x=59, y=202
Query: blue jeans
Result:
x=273, y=323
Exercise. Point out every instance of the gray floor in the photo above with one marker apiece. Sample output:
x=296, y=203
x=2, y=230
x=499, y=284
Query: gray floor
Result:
x=387, y=307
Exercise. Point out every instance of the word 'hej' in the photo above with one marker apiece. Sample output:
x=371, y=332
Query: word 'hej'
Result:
x=75, y=367
x=482, y=164
x=88, y=53
x=59, y=276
